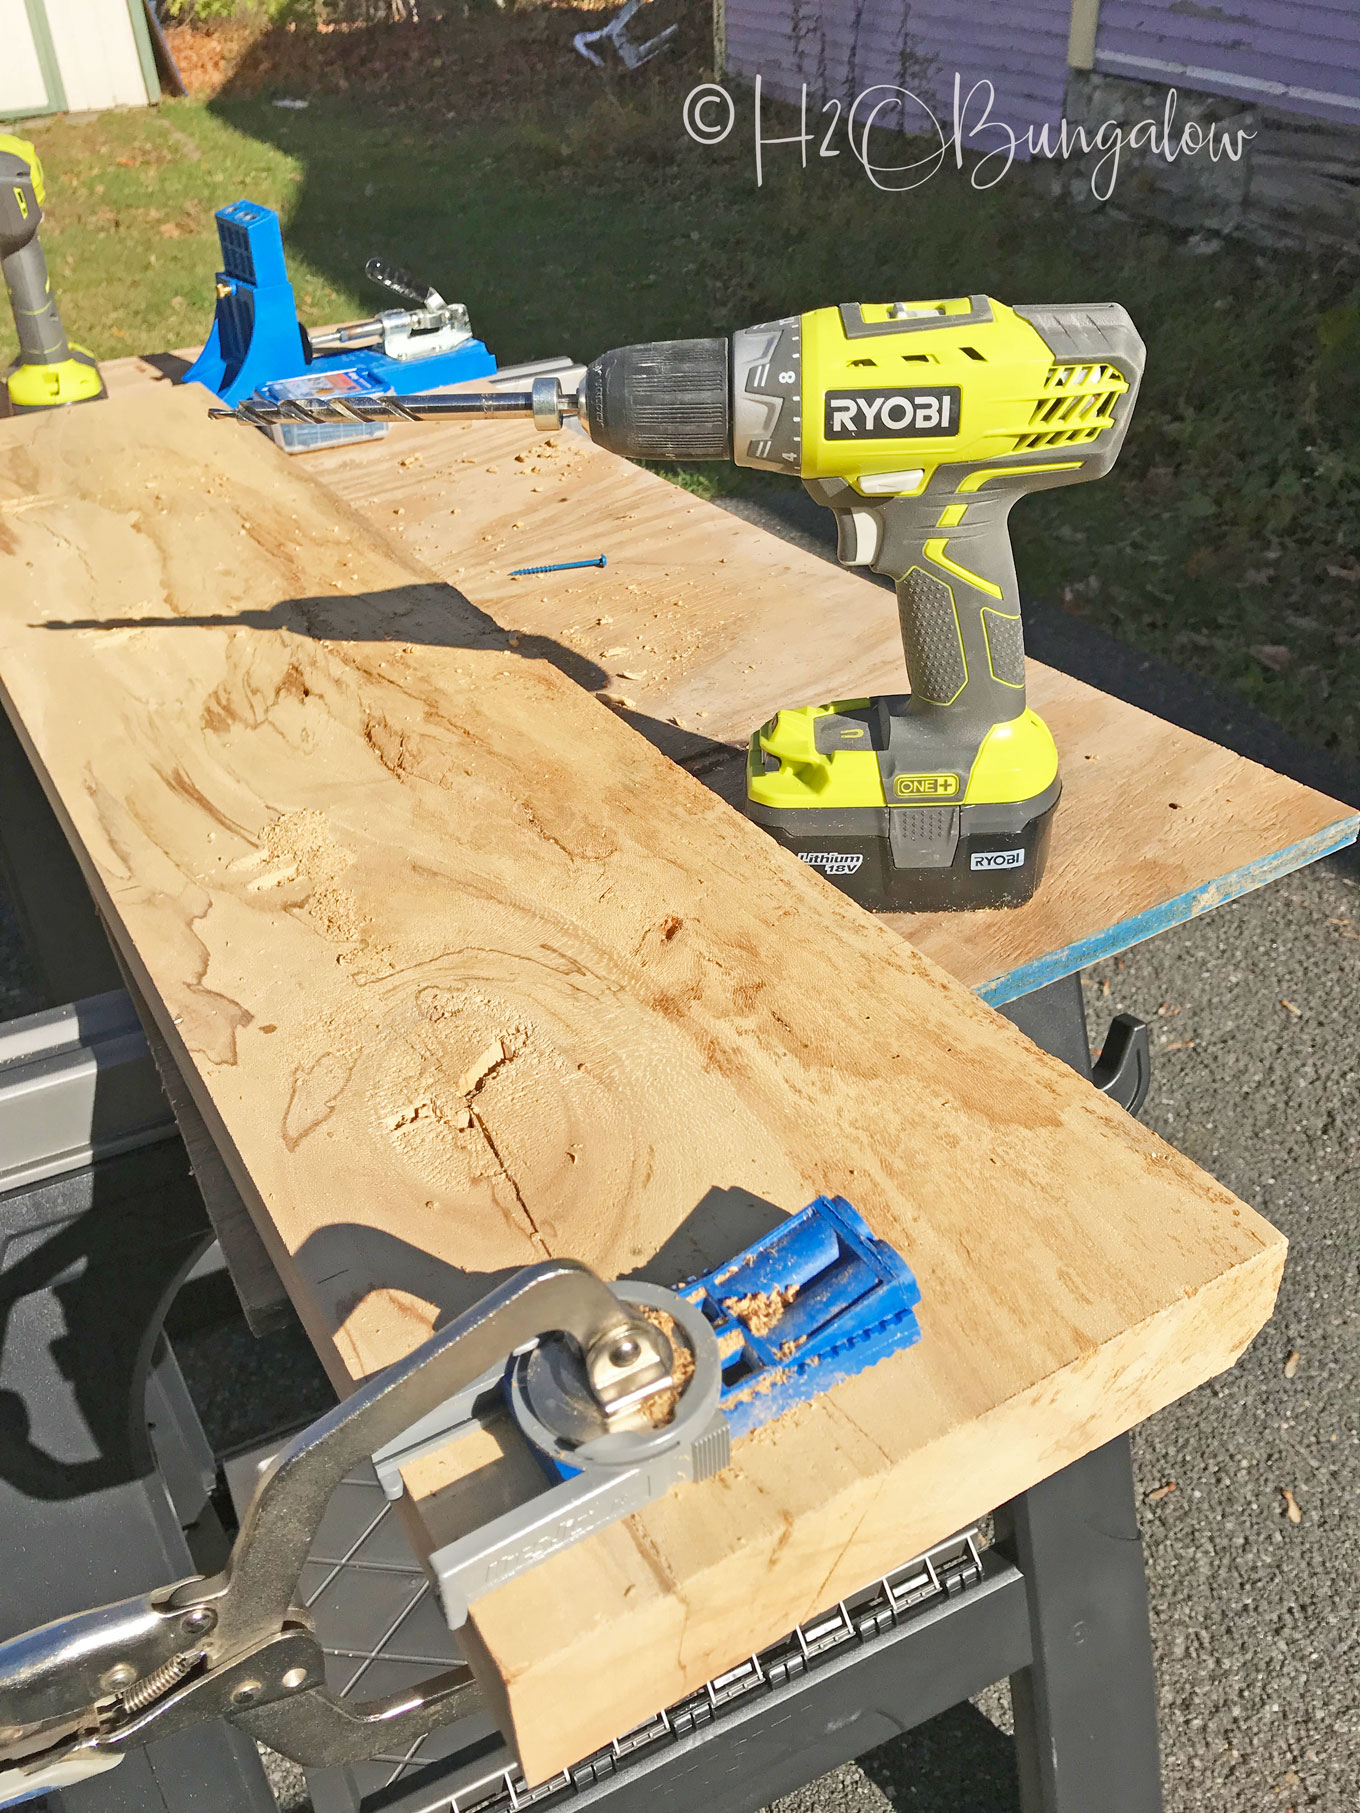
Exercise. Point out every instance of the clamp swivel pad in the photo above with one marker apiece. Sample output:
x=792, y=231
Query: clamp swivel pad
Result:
x=555, y=1409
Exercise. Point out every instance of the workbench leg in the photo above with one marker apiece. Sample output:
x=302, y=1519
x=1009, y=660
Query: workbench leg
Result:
x=1054, y=1016
x=89, y=1263
x=1086, y=1707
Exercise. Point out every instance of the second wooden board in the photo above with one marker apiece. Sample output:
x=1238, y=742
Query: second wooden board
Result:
x=705, y=622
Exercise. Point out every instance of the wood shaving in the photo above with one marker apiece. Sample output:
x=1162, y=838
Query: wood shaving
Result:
x=480, y=1068
x=1160, y=1492
x=761, y=1385
x=406, y=1116
x=1291, y=1363
x=1290, y=1008
x=661, y=1408
x=762, y=1310
x=1291, y=1505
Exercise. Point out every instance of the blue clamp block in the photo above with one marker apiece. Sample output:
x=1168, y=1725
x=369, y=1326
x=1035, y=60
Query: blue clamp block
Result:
x=848, y=1301
x=256, y=340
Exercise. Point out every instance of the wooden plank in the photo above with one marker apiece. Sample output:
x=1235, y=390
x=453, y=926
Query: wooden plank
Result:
x=461, y=971
x=703, y=620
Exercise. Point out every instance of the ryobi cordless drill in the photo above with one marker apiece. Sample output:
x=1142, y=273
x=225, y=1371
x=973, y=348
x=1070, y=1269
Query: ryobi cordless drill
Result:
x=920, y=424
x=49, y=371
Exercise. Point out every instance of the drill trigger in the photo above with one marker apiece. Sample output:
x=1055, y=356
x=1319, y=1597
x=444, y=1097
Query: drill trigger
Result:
x=859, y=535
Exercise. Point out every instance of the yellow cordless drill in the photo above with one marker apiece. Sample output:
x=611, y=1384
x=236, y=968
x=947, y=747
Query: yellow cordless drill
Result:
x=919, y=424
x=49, y=372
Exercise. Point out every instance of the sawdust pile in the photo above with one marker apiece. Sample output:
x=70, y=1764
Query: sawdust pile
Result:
x=302, y=845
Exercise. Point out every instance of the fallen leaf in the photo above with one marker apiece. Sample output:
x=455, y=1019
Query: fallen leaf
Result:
x=1290, y=1008
x=1291, y=1505
x=1273, y=655
x=1161, y=1492
x=1291, y=1362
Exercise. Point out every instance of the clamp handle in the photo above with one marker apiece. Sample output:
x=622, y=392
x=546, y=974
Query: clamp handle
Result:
x=234, y=1645
x=396, y=278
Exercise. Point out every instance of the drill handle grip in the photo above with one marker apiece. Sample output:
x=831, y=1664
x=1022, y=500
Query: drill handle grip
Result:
x=957, y=595
x=959, y=605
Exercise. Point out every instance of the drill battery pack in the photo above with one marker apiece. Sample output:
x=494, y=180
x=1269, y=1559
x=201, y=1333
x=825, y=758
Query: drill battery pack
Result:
x=826, y=781
x=921, y=859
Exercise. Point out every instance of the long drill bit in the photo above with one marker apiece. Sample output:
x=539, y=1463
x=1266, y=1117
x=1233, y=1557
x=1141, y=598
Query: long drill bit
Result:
x=545, y=402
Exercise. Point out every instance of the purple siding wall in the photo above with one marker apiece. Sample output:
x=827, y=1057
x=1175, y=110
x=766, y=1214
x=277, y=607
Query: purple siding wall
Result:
x=842, y=47
x=1302, y=56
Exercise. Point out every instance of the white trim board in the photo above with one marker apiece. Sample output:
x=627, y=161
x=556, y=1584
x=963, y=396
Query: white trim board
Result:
x=1224, y=78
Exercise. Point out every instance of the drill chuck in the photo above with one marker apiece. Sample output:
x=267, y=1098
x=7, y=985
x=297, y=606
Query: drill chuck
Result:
x=662, y=400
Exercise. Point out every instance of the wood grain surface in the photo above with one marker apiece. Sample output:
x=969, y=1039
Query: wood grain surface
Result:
x=462, y=971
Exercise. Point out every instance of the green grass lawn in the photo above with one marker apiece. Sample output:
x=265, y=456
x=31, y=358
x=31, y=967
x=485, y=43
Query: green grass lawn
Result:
x=583, y=217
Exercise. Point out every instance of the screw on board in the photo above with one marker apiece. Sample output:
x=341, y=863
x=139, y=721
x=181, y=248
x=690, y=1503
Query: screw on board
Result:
x=561, y=566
